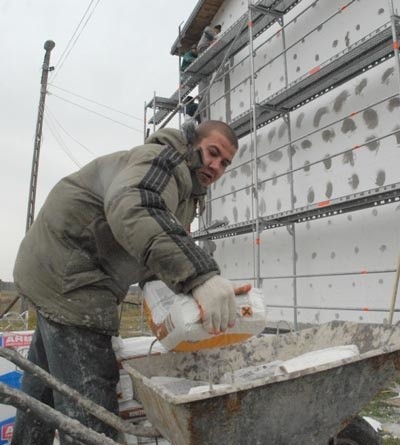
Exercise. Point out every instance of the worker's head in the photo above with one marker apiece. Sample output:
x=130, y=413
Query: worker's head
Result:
x=217, y=29
x=219, y=144
x=193, y=49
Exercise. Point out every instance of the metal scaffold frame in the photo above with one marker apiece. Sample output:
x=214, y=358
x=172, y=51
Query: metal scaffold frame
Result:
x=371, y=50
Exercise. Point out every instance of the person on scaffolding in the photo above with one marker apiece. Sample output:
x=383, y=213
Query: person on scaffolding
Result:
x=119, y=220
x=189, y=57
x=208, y=37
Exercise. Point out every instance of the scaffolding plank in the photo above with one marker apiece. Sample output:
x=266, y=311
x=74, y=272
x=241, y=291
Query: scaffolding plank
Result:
x=211, y=59
x=335, y=71
x=349, y=203
x=163, y=103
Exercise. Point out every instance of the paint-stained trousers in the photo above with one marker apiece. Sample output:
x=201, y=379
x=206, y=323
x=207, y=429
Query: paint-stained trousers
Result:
x=82, y=359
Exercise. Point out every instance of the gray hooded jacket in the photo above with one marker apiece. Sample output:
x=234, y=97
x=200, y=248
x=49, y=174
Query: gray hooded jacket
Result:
x=119, y=220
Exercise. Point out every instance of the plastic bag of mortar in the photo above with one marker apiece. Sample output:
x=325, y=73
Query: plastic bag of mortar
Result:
x=251, y=373
x=175, y=319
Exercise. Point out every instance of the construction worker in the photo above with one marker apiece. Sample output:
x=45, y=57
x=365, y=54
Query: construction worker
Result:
x=189, y=57
x=119, y=220
x=208, y=37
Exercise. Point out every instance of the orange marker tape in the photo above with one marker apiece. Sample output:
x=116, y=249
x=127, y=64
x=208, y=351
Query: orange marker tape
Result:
x=343, y=8
x=258, y=241
x=323, y=203
x=365, y=309
x=353, y=113
x=249, y=24
x=364, y=272
x=314, y=70
x=356, y=146
x=396, y=45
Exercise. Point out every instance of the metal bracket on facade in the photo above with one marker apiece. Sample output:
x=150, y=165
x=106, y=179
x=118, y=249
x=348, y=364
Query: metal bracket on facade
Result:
x=267, y=107
x=265, y=10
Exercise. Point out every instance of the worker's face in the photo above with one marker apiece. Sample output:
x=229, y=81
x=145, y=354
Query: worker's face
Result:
x=218, y=153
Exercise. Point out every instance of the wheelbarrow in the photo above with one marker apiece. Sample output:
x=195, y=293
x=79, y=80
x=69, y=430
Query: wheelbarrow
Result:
x=310, y=406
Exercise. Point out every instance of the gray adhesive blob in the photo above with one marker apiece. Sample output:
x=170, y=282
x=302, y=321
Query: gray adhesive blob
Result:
x=242, y=150
x=340, y=100
x=327, y=162
x=319, y=114
x=371, y=143
x=381, y=11
x=310, y=195
x=360, y=87
x=374, y=212
x=347, y=39
x=380, y=281
x=371, y=118
x=246, y=170
x=247, y=190
x=299, y=120
x=282, y=129
x=306, y=143
x=233, y=173
x=354, y=181
x=263, y=206
x=274, y=179
x=383, y=247
x=348, y=125
x=393, y=103
x=308, y=225
x=278, y=205
x=348, y=158
x=329, y=190
x=358, y=27
x=271, y=134
x=241, y=104
x=275, y=156
x=328, y=135
x=335, y=43
x=333, y=255
x=248, y=213
x=386, y=75
x=349, y=218
x=306, y=166
x=235, y=215
x=314, y=255
x=380, y=178
x=223, y=199
x=356, y=250
x=263, y=166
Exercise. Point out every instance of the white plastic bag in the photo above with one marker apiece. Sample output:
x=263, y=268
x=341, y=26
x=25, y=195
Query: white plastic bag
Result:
x=175, y=319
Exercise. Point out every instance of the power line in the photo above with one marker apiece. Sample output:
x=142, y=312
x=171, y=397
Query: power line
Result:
x=60, y=141
x=96, y=113
x=67, y=52
x=97, y=103
x=68, y=134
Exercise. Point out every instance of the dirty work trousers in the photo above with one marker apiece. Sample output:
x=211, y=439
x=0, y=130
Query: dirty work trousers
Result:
x=82, y=359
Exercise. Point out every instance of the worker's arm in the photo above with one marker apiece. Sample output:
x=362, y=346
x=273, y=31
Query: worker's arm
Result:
x=140, y=206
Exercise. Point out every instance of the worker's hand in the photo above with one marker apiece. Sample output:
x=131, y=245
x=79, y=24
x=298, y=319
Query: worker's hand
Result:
x=216, y=299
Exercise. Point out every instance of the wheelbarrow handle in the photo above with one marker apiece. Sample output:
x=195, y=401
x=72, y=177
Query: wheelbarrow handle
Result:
x=93, y=408
x=52, y=417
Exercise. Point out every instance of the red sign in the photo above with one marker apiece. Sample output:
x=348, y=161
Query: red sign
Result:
x=7, y=431
x=12, y=339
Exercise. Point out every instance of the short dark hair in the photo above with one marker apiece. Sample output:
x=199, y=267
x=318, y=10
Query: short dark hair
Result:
x=206, y=127
x=218, y=27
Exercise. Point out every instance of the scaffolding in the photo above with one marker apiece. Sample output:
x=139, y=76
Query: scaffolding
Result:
x=373, y=49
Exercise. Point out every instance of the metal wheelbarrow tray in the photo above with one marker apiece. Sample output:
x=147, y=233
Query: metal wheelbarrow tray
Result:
x=307, y=406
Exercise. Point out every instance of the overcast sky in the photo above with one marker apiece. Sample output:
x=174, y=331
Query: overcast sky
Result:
x=120, y=58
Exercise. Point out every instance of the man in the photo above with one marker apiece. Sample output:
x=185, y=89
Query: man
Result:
x=208, y=37
x=119, y=220
x=189, y=57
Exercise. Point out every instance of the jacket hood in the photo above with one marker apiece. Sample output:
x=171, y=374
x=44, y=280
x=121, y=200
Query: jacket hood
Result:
x=169, y=136
x=176, y=139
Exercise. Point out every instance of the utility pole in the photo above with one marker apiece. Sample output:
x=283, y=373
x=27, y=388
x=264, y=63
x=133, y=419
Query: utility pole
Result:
x=48, y=46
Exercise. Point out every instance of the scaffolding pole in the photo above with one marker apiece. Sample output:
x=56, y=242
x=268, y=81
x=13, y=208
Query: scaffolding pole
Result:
x=144, y=121
x=255, y=151
x=154, y=112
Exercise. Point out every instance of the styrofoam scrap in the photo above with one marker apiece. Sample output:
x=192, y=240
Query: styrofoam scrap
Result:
x=136, y=346
x=206, y=388
x=251, y=373
x=176, y=385
x=376, y=425
x=320, y=357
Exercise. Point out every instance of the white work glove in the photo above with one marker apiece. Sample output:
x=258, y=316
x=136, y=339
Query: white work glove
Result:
x=216, y=299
